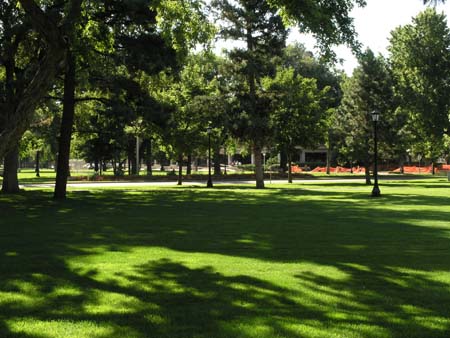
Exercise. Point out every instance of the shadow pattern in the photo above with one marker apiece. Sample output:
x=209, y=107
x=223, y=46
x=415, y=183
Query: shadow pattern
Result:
x=393, y=263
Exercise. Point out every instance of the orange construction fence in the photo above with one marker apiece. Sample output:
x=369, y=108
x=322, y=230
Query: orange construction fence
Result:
x=360, y=170
x=356, y=170
x=425, y=169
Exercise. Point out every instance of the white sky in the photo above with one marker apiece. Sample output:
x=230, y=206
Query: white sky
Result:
x=373, y=24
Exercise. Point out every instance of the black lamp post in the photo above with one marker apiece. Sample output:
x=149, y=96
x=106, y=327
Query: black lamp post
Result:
x=376, y=189
x=209, y=184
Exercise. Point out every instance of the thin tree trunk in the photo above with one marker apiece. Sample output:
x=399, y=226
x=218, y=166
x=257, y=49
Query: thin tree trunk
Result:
x=149, y=158
x=216, y=159
x=132, y=161
x=10, y=183
x=328, y=160
x=402, y=166
x=65, y=136
x=180, y=170
x=289, y=168
x=367, y=169
x=259, y=173
x=283, y=161
x=189, y=165
x=433, y=168
x=196, y=164
x=114, y=166
x=37, y=164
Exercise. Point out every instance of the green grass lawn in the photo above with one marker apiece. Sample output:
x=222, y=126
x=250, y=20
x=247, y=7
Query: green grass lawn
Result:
x=320, y=259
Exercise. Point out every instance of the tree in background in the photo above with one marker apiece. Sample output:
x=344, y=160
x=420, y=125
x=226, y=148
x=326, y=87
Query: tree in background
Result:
x=420, y=58
x=298, y=117
x=261, y=29
x=308, y=66
x=194, y=97
x=370, y=88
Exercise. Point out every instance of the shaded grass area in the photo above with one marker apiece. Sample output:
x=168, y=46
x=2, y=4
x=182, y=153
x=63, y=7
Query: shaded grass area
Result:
x=306, y=260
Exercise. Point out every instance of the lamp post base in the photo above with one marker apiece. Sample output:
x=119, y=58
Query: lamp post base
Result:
x=376, y=191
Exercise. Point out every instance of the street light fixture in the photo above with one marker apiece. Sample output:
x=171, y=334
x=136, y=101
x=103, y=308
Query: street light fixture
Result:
x=209, y=184
x=375, y=118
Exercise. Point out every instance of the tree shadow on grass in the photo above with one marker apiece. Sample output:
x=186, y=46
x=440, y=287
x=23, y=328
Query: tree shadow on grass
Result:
x=391, y=263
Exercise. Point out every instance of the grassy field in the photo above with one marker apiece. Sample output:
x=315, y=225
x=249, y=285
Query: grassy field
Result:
x=307, y=260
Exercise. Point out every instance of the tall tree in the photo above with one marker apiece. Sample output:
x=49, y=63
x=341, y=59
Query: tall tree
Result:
x=309, y=66
x=13, y=37
x=369, y=89
x=41, y=71
x=298, y=115
x=420, y=58
x=261, y=29
x=142, y=43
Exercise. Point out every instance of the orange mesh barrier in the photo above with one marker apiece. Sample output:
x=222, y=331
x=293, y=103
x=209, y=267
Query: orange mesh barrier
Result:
x=356, y=170
x=296, y=169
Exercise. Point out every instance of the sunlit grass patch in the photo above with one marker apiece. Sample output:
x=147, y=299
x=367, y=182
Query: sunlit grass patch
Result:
x=302, y=260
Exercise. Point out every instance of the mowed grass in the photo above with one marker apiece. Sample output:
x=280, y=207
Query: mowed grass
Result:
x=306, y=260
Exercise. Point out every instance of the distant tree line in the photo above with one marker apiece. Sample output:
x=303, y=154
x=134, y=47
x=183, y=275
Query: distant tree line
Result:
x=87, y=79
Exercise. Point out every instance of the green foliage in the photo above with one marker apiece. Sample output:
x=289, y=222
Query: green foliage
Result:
x=369, y=89
x=298, y=117
x=420, y=58
x=329, y=21
x=196, y=102
x=184, y=24
x=262, y=30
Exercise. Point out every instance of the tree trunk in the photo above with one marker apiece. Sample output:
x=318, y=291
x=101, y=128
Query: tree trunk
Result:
x=433, y=168
x=402, y=166
x=180, y=170
x=283, y=161
x=37, y=164
x=10, y=183
x=216, y=159
x=44, y=73
x=149, y=157
x=196, y=163
x=289, y=169
x=189, y=165
x=65, y=136
x=328, y=160
x=132, y=161
x=367, y=169
x=259, y=173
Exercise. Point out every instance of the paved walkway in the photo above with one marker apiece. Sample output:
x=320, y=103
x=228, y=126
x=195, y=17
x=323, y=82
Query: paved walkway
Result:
x=84, y=185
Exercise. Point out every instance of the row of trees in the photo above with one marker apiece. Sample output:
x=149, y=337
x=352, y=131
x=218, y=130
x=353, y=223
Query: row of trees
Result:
x=410, y=89
x=100, y=75
x=103, y=53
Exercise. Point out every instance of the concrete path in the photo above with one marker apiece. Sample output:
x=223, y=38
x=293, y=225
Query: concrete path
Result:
x=84, y=185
